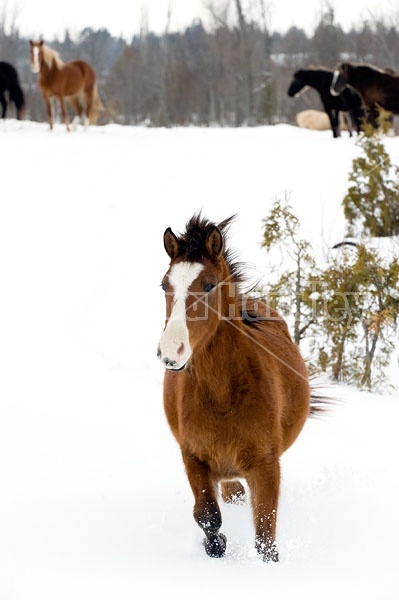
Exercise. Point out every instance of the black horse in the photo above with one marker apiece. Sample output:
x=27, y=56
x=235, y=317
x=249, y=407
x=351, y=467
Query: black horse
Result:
x=9, y=82
x=348, y=101
x=376, y=87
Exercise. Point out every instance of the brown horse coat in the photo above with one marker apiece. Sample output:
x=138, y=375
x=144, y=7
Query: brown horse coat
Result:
x=376, y=87
x=236, y=389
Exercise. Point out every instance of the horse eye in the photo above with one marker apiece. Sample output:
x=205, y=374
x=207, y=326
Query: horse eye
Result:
x=208, y=287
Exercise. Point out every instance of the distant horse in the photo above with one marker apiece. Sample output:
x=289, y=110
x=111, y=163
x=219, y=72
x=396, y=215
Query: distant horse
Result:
x=348, y=101
x=236, y=390
x=376, y=87
x=74, y=81
x=9, y=82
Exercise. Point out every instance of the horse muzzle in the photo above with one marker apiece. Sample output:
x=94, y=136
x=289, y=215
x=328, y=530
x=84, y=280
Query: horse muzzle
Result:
x=173, y=356
x=170, y=363
x=174, y=349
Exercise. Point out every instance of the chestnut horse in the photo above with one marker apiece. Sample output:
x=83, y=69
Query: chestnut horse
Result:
x=376, y=87
x=236, y=390
x=74, y=81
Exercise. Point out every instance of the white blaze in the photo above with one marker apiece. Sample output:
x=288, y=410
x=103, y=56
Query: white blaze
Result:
x=35, y=67
x=334, y=81
x=174, y=344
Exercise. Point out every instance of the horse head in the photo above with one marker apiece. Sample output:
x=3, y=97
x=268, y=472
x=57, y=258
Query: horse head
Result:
x=297, y=84
x=340, y=79
x=198, y=287
x=35, y=55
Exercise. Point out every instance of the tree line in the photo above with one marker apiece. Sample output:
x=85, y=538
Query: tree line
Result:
x=234, y=72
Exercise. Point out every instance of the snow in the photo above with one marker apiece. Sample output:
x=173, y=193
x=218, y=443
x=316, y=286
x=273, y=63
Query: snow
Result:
x=94, y=501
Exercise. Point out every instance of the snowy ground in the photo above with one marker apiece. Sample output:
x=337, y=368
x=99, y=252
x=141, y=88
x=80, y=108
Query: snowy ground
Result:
x=94, y=502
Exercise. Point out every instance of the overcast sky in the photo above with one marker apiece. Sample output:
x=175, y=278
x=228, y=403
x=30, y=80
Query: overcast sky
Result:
x=50, y=18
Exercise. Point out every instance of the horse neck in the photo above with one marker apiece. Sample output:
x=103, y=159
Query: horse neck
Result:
x=313, y=79
x=46, y=70
x=356, y=76
x=50, y=62
x=217, y=365
x=225, y=339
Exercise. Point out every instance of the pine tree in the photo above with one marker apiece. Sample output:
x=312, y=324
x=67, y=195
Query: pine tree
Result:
x=294, y=287
x=339, y=312
x=371, y=204
x=379, y=285
x=360, y=316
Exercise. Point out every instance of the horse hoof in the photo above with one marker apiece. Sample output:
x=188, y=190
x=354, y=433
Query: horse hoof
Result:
x=271, y=555
x=233, y=492
x=216, y=546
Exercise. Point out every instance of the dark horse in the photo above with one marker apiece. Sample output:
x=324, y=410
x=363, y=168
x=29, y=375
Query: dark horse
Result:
x=9, y=82
x=376, y=87
x=236, y=390
x=348, y=101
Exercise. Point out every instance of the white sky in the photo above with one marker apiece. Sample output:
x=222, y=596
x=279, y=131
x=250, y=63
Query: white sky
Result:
x=50, y=18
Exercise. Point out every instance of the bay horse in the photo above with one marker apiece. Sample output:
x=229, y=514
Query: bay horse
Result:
x=236, y=389
x=376, y=87
x=74, y=81
x=347, y=101
x=9, y=82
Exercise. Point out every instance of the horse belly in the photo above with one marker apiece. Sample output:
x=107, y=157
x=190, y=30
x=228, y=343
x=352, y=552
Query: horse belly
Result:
x=223, y=462
x=229, y=448
x=73, y=85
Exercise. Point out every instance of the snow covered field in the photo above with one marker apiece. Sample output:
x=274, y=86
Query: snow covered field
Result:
x=94, y=501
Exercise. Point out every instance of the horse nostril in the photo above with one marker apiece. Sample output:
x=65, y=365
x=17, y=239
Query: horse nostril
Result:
x=180, y=349
x=168, y=362
x=159, y=352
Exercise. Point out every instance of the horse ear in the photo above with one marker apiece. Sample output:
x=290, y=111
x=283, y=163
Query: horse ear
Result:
x=214, y=243
x=171, y=243
x=41, y=43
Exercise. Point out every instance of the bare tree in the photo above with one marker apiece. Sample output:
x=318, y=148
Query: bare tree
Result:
x=250, y=103
x=164, y=116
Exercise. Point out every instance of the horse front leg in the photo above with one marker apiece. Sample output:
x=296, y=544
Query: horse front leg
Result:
x=63, y=111
x=333, y=116
x=349, y=121
x=372, y=116
x=264, y=483
x=3, y=103
x=47, y=101
x=206, y=509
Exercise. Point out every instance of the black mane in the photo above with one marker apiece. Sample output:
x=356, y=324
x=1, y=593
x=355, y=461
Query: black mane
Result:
x=192, y=246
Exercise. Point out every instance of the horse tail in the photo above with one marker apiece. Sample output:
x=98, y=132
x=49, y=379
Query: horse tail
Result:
x=94, y=106
x=16, y=93
x=320, y=404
